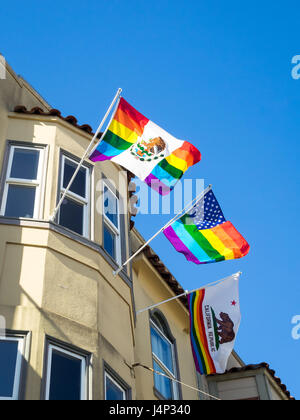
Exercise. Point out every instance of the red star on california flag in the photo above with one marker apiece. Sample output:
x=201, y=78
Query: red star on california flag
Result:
x=233, y=303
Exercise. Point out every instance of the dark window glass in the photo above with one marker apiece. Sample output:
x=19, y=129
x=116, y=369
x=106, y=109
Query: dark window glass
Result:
x=109, y=242
x=8, y=360
x=71, y=216
x=162, y=349
x=162, y=384
x=113, y=392
x=79, y=184
x=20, y=201
x=25, y=164
x=111, y=207
x=65, y=380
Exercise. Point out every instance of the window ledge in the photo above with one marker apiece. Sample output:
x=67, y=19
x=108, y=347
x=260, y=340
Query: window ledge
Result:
x=43, y=224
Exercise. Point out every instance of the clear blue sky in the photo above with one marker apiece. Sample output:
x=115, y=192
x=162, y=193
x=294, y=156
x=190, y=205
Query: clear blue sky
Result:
x=217, y=74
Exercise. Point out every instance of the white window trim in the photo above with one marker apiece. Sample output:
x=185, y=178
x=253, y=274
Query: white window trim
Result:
x=18, y=367
x=162, y=365
x=107, y=375
x=114, y=229
x=37, y=183
x=52, y=347
x=84, y=201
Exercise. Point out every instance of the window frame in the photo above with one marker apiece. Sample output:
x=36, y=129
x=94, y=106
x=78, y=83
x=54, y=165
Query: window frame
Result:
x=116, y=383
x=116, y=231
x=72, y=354
x=116, y=379
x=165, y=369
x=85, y=202
x=18, y=367
x=37, y=183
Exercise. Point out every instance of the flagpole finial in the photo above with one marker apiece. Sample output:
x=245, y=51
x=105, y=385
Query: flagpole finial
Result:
x=238, y=274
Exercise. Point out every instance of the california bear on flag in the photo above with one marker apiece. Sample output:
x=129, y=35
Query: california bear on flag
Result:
x=214, y=322
x=145, y=149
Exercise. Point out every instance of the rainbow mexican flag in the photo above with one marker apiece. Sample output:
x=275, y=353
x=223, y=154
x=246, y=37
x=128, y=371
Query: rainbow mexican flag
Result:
x=204, y=236
x=214, y=322
x=145, y=149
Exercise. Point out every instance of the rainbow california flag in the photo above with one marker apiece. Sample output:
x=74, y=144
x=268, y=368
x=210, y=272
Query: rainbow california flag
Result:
x=214, y=322
x=145, y=149
x=204, y=236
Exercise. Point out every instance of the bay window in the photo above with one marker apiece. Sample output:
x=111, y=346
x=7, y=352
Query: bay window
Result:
x=11, y=355
x=66, y=376
x=74, y=212
x=22, y=195
x=111, y=224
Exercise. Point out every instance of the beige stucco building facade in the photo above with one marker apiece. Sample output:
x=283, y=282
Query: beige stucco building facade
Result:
x=71, y=328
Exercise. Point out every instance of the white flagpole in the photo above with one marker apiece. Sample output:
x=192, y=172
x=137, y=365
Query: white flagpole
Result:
x=186, y=293
x=185, y=210
x=86, y=154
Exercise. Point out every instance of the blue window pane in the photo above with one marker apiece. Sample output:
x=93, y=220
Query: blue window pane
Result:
x=162, y=349
x=20, y=201
x=162, y=384
x=71, y=215
x=65, y=380
x=109, y=242
x=25, y=164
x=113, y=392
x=79, y=184
x=8, y=360
x=111, y=207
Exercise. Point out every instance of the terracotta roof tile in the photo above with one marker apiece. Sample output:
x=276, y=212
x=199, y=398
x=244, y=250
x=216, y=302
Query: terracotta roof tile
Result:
x=20, y=109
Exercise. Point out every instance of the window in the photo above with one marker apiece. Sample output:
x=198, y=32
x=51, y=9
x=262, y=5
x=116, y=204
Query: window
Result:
x=163, y=354
x=66, y=375
x=113, y=390
x=74, y=211
x=11, y=353
x=23, y=182
x=111, y=224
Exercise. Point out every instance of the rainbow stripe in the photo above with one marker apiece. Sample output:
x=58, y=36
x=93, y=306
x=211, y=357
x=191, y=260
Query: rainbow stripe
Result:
x=170, y=170
x=204, y=236
x=220, y=243
x=126, y=128
x=203, y=360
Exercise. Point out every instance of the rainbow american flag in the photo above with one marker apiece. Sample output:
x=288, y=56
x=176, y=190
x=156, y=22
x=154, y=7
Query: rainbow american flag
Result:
x=145, y=149
x=204, y=236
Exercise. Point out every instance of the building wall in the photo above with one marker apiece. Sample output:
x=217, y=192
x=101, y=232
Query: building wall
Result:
x=149, y=289
x=54, y=283
x=57, y=285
